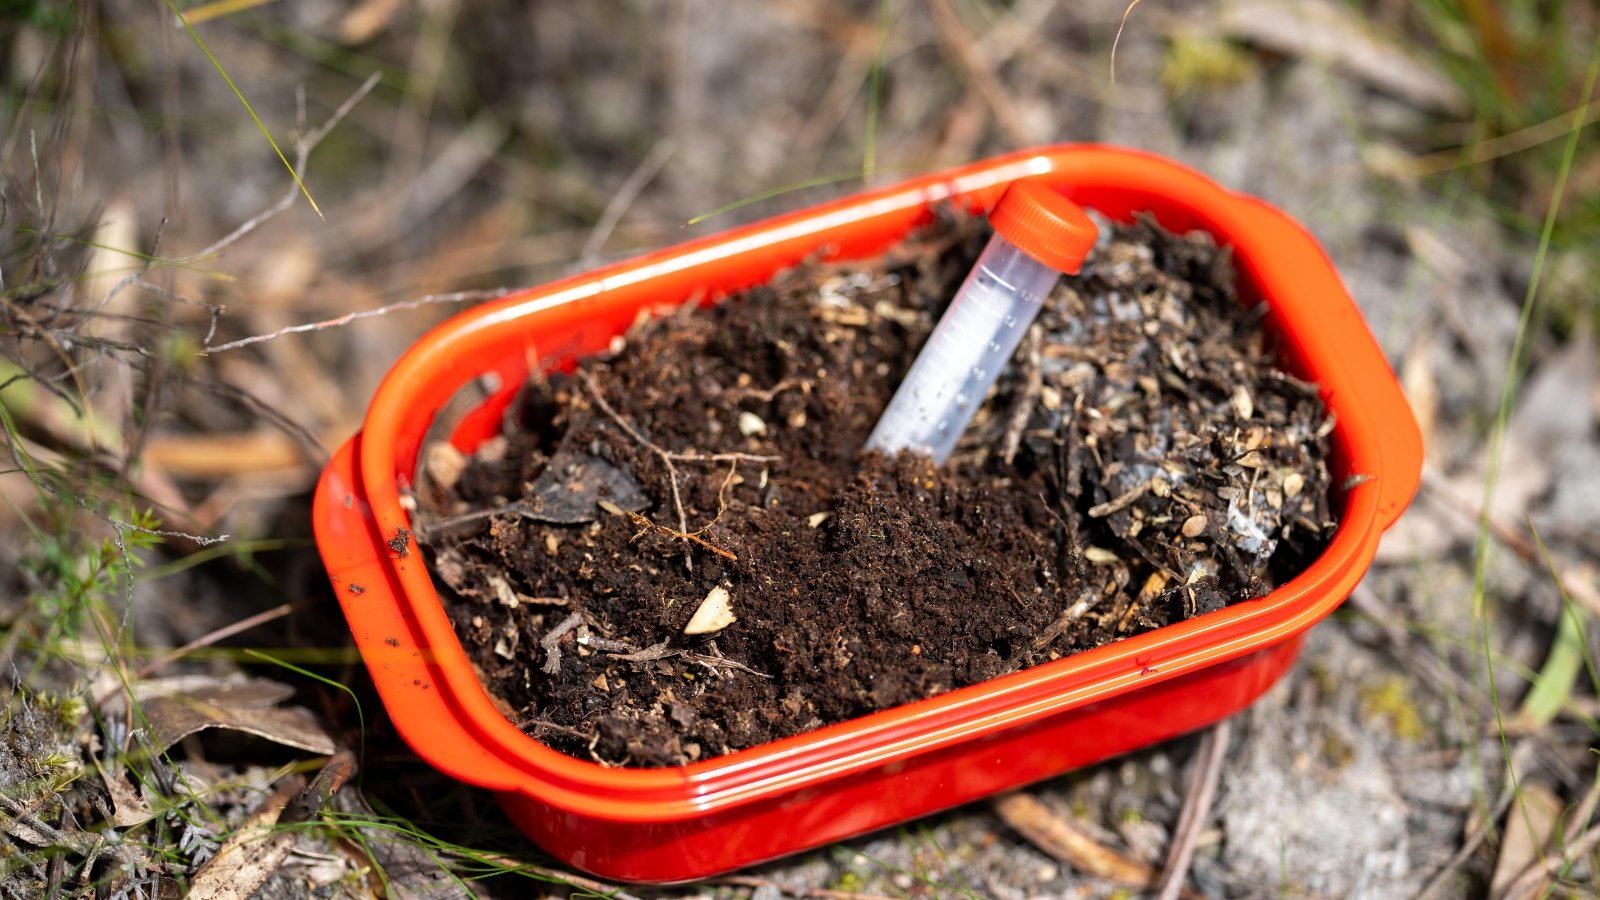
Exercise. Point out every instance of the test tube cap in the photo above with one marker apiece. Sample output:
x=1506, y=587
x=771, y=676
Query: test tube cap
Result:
x=1045, y=225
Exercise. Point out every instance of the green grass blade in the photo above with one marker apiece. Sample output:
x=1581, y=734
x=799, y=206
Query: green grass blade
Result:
x=869, y=156
x=1574, y=612
x=1552, y=685
x=361, y=718
x=247, y=107
x=1508, y=393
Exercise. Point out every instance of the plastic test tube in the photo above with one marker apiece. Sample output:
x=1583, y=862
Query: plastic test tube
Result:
x=1038, y=235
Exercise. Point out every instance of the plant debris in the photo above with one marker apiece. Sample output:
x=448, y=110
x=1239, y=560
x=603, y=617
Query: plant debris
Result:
x=1143, y=463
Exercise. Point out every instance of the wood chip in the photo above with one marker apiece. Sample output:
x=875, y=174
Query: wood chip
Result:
x=714, y=614
x=1029, y=817
x=1123, y=502
x=1194, y=526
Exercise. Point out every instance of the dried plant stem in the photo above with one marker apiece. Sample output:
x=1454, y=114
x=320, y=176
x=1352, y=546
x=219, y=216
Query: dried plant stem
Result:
x=347, y=318
x=667, y=458
x=1032, y=386
x=637, y=180
x=1202, y=788
x=978, y=67
x=206, y=640
x=303, y=147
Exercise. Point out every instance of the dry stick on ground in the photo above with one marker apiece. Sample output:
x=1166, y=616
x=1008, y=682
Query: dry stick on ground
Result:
x=667, y=458
x=981, y=70
x=636, y=181
x=227, y=631
x=347, y=318
x=1476, y=839
x=559, y=877
x=1565, y=575
x=1029, y=817
x=303, y=147
x=1031, y=375
x=1196, y=807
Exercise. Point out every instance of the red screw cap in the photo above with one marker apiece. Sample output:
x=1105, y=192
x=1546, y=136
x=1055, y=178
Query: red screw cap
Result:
x=1045, y=225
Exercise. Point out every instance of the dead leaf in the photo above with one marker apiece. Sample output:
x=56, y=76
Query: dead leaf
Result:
x=1530, y=826
x=247, y=859
x=574, y=485
x=178, y=707
x=128, y=805
x=1331, y=33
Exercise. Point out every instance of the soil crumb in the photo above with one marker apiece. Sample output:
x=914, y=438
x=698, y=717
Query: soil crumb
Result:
x=1142, y=461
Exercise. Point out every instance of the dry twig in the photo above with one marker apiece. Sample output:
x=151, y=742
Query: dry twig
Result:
x=1202, y=788
x=1031, y=371
x=668, y=457
x=303, y=147
x=972, y=60
x=347, y=318
x=637, y=180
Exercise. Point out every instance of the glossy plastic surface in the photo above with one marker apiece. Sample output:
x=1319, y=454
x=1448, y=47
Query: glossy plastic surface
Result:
x=719, y=814
x=962, y=359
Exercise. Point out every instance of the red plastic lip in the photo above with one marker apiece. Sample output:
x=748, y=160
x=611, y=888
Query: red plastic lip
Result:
x=903, y=762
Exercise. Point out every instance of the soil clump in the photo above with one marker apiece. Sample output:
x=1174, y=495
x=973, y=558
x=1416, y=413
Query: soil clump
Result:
x=1142, y=461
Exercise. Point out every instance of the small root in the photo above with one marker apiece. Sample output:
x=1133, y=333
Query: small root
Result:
x=552, y=642
x=668, y=457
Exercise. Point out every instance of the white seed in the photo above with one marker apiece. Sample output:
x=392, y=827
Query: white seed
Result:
x=1242, y=404
x=1293, y=484
x=1100, y=556
x=750, y=423
x=445, y=464
x=715, y=613
x=816, y=519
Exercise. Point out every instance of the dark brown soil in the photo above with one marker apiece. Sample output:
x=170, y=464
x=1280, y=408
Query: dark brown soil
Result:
x=1143, y=463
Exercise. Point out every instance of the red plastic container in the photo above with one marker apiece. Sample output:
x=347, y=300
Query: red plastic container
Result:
x=812, y=789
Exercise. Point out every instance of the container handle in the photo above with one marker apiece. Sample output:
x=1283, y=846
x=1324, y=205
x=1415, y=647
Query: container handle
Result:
x=386, y=634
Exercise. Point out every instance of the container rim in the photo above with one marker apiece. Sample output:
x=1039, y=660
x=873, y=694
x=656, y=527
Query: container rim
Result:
x=460, y=730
